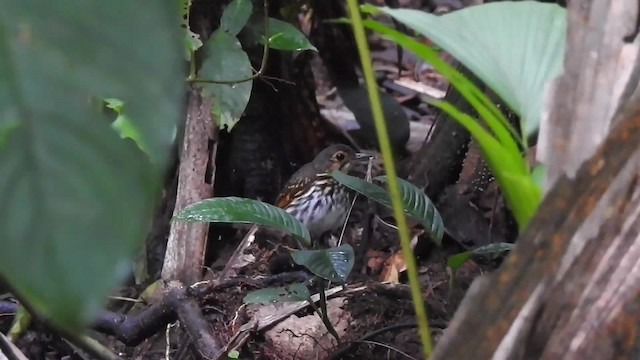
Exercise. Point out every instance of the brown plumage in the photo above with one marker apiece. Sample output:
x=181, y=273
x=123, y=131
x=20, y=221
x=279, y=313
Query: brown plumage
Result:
x=314, y=197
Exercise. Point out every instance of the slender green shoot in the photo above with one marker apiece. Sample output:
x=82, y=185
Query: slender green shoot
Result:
x=394, y=190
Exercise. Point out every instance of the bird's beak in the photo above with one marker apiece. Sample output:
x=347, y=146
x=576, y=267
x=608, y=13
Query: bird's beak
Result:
x=363, y=157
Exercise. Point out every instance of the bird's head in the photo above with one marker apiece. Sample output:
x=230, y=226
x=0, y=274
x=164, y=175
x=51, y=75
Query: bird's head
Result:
x=337, y=157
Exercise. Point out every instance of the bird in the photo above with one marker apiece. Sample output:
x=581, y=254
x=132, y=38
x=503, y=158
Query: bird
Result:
x=315, y=198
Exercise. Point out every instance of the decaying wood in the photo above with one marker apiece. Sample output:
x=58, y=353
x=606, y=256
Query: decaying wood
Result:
x=571, y=288
x=187, y=240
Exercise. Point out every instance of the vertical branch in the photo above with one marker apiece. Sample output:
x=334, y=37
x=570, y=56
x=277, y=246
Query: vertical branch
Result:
x=187, y=241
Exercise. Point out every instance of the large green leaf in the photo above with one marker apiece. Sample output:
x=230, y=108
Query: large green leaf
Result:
x=76, y=199
x=414, y=202
x=514, y=47
x=228, y=62
x=240, y=210
x=333, y=264
x=293, y=292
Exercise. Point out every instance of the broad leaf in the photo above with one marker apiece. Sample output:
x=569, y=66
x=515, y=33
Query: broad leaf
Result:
x=514, y=47
x=77, y=200
x=415, y=203
x=228, y=62
x=333, y=264
x=235, y=16
x=293, y=292
x=285, y=36
x=455, y=261
x=247, y=211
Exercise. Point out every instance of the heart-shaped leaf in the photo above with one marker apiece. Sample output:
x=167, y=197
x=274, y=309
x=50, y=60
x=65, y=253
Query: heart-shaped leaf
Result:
x=240, y=210
x=415, y=203
x=228, y=62
x=293, y=292
x=333, y=264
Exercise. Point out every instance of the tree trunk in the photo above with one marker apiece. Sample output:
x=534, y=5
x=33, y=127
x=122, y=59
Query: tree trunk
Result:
x=571, y=288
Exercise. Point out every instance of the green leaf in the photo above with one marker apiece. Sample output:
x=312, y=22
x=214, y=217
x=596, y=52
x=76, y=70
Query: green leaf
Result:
x=414, y=202
x=513, y=47
x=233, y=354
x=235, y=16
x=123, y=125
x=228, y=62
x=333, y=264
x=455, y=261
x=285, y=36
x=247, y=211
x=293, y=292
x=419, y=206
x=77, y=200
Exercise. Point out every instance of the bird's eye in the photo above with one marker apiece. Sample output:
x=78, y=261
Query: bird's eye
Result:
x=340, y=156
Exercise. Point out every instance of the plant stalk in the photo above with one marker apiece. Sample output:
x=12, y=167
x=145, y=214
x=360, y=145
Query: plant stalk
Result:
x=394, y=190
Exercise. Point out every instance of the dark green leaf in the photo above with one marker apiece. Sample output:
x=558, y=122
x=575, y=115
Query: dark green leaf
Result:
x=247, y=211
x=419, y=206
x=228, y=62
x=456, y=260
x=293, y=292
x=284, y=36
x=494, y=248
x=235, y=16
x=333, y=264
x=415, y=203
x=77, y=200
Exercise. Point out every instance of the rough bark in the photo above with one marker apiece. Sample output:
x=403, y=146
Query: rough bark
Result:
x=540, y=294
x=571, y=288
x=187, y=240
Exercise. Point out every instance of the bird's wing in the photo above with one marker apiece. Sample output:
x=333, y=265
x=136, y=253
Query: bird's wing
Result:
x=297, y=185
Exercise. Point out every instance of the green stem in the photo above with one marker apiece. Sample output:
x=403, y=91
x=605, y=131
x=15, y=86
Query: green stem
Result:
x=394, y=190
